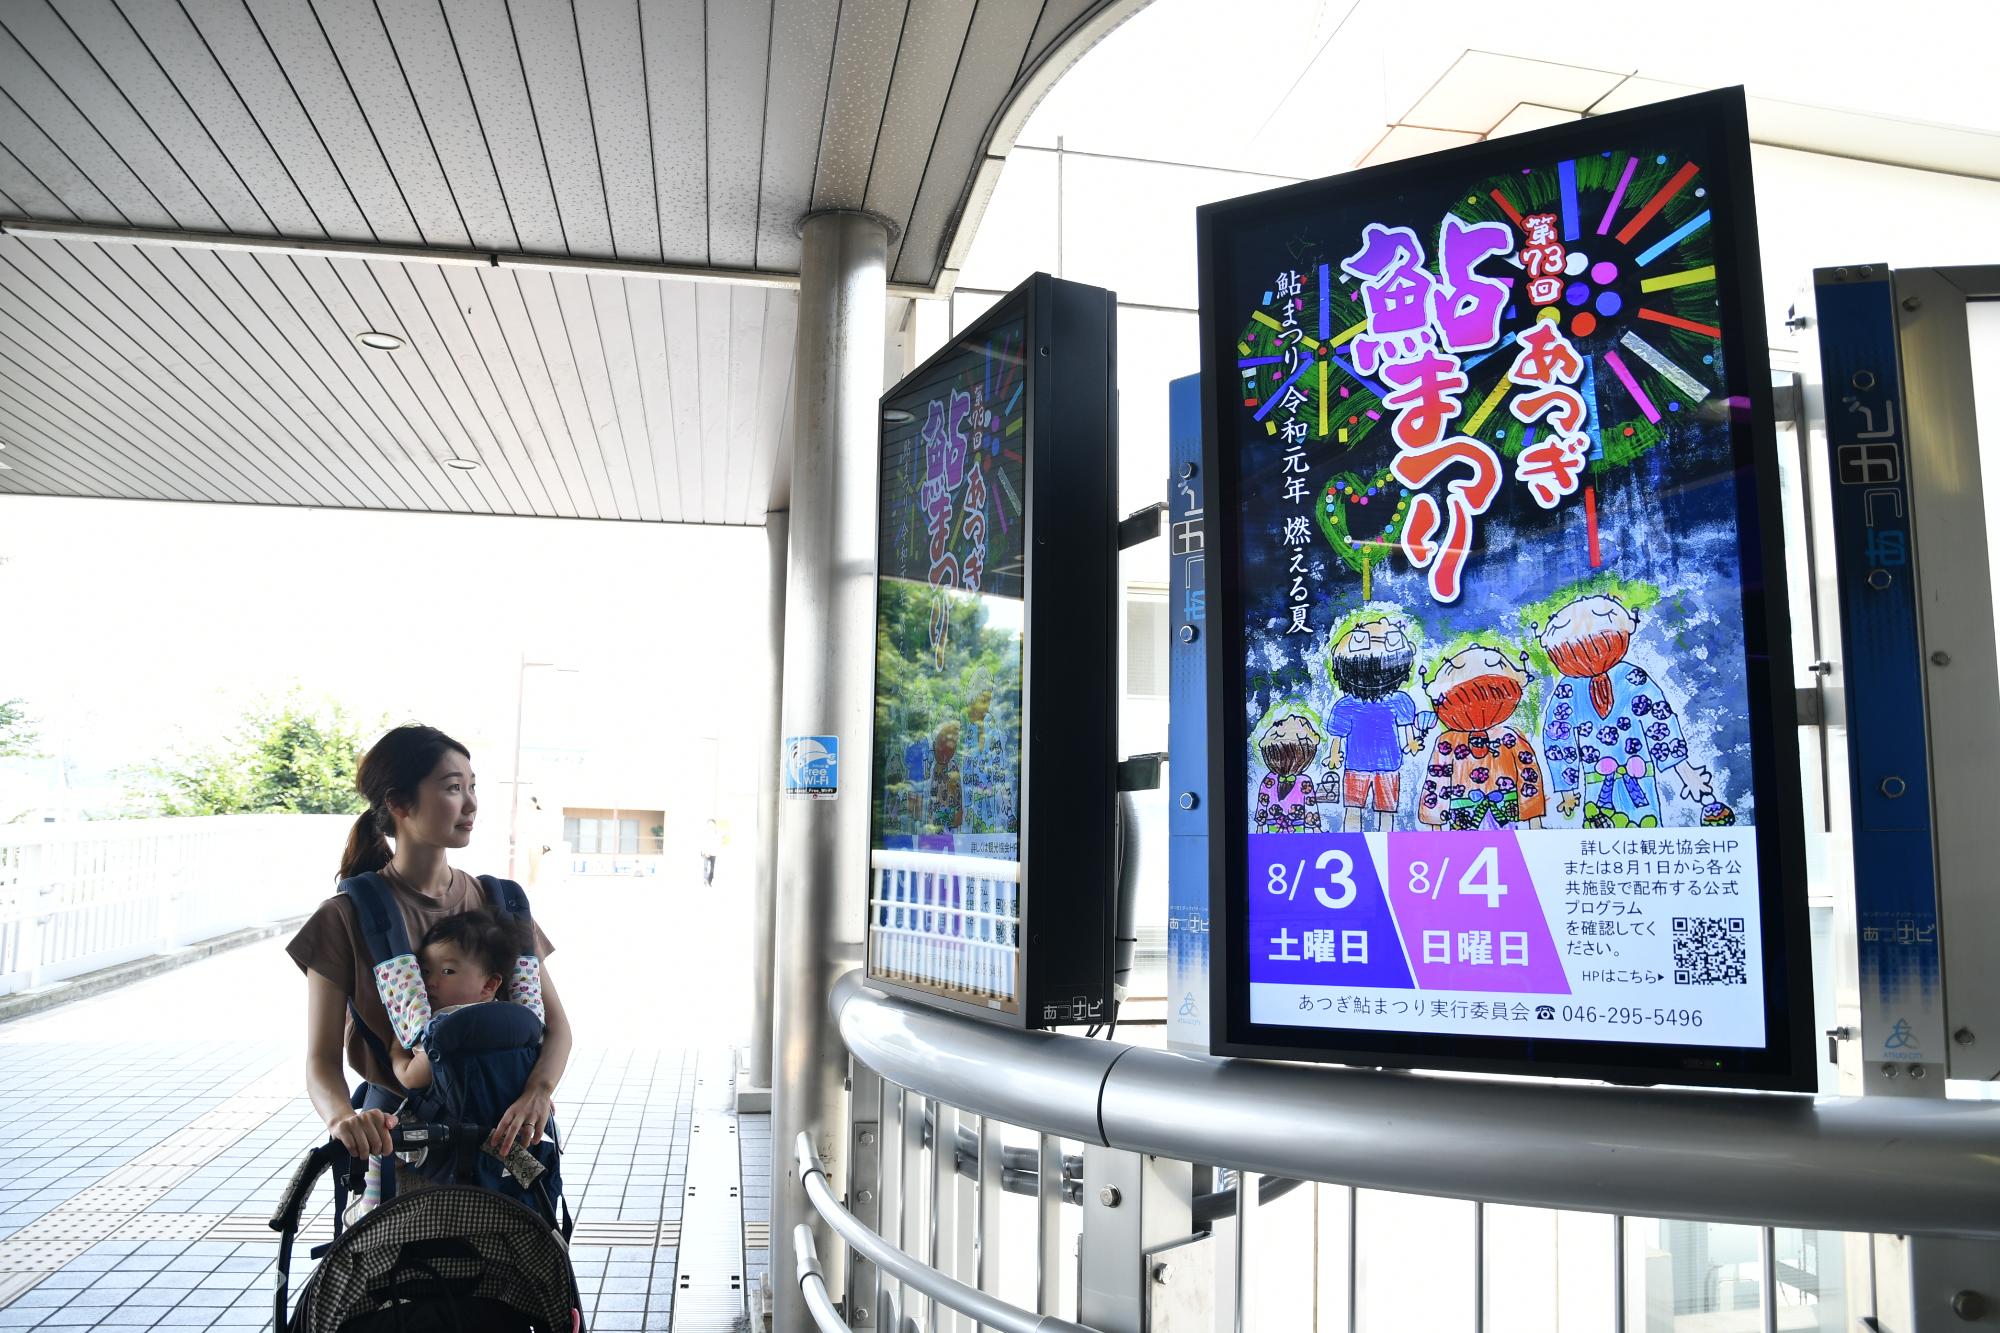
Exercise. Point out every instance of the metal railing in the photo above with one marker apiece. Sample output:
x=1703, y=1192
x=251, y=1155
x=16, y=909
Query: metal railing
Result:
x=928, y=1166
x=77, y=897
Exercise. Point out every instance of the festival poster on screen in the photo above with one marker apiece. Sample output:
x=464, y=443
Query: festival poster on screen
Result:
x=945, y=786
x=1498, y=726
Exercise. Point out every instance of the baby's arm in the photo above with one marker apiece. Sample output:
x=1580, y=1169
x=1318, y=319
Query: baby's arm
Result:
x=412, y=1068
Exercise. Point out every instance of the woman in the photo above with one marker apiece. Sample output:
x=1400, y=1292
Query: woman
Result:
x=421, y=792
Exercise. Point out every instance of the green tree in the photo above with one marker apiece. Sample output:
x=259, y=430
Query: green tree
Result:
x=17, y=730
x=291, y=757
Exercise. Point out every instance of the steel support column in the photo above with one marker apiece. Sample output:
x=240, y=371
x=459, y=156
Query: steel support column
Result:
x=757, y=1095
x=829, y=641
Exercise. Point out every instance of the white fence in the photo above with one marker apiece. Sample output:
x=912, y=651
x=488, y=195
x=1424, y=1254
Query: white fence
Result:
x=76, y=897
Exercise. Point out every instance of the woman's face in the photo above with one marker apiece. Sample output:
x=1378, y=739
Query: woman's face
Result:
x=447, y=802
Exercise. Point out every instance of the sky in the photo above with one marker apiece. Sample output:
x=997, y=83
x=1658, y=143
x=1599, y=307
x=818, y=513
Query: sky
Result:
x=131, y=628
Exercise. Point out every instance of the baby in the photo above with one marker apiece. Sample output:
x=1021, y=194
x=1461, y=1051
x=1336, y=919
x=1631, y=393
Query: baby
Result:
x=466, y=960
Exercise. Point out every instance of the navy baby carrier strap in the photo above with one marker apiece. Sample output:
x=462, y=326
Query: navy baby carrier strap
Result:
x=471, y=1081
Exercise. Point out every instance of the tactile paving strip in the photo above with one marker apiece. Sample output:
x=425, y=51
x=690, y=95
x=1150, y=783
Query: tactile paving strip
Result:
x=708, y=1284
x=168, y=1226
x=25, y=1256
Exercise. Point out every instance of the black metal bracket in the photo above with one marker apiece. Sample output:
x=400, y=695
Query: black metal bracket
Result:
x=1140, y=526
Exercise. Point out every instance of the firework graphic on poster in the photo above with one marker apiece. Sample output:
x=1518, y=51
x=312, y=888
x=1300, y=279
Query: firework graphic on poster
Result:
x=1612, y=250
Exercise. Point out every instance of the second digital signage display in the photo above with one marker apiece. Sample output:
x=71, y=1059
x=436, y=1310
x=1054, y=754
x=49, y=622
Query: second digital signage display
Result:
x=1505, y=767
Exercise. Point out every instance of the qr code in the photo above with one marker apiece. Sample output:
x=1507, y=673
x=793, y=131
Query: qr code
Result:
x=1708, y=951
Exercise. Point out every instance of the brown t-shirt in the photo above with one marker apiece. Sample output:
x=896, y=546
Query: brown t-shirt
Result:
x=331, y=944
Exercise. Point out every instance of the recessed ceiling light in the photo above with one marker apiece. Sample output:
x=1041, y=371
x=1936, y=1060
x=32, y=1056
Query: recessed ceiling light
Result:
x=462, y=464
x=381, y=342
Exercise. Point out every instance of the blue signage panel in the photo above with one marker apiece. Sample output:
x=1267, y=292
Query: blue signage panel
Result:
x=1895, y=881
x=812, y=767
x=1187, y=731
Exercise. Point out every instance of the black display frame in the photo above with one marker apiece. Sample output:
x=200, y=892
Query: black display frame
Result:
x=1070, y=589
x=1785, y=1062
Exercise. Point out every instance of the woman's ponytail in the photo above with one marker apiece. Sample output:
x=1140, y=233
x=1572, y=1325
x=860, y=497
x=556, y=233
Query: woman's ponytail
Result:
x=367, y=849
x=392, y=770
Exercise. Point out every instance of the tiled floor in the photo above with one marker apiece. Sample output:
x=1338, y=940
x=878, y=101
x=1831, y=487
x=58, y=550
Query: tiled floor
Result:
x=138, y=1166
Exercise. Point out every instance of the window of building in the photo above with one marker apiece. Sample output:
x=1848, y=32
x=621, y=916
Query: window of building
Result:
x=1146, y=643
x=613, y=832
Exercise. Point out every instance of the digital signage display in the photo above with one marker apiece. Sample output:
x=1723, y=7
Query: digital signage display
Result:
x=1506, y=776
x=996, y=534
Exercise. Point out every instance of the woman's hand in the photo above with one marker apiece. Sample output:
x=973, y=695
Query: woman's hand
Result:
x=524, y=1121
x=365, y=1133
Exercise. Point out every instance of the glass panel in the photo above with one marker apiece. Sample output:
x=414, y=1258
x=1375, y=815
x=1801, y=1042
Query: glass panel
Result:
x=628, y=836
x=1415, y=1266
x=569, y=830
x=1691, y=1277
x=1548, y=1272
x=1811, y=1290
x=1282, y=1245
x=1335, y=1286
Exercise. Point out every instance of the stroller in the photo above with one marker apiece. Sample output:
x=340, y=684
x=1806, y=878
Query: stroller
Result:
x=446, y=1257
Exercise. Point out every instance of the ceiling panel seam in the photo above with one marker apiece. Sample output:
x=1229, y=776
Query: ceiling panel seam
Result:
x=55, y=147
x=62, y=429
x=82, y=455
x=164, y=407
x=579, y=385
x=603, y=366
x=424, y=118
x=408, y=305
x=26, y=459
x=120, y=413
x=645, y=409
x=329, y=449
x=341, y=354
x=90, y=124
x=194, y=117
x=535, y=117
x=621, y=369
x=826, y=98
x=166, y=15
x=425, y=286
x=522, y=444
x=422, y=464
x=7, y=156
x=652, y=146
x=25, y=455
x=305, y=114
x=535, y=393
x=479, y=123
x=558, y=398
x=596, y=145
x=26, y=465
x=895, y=62
x=367, y=122
x=77, y=411
x=223, y=405
x=254, y=307
x=930, y=154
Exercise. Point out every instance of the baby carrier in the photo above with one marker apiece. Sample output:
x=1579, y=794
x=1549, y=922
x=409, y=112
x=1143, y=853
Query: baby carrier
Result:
x=480, y=1055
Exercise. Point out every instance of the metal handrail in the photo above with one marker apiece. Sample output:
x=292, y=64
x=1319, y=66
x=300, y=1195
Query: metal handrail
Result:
x=812, y=1282
x=1864, y=1164
x=989, y=1311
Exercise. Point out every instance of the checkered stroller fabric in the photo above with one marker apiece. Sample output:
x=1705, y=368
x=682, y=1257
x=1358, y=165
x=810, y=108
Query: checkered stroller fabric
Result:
x=451, y=1257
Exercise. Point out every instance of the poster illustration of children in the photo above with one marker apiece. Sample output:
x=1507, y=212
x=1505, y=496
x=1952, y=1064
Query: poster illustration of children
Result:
x=1285, y=797
x=1374, y=722
x=1609, y=730
x=947, y=785
x=1482, y=773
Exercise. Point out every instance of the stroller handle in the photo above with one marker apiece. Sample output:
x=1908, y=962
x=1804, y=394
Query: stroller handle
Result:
x=404, y=1137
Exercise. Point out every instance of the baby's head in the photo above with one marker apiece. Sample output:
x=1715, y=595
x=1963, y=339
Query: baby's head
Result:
x=467, y=958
